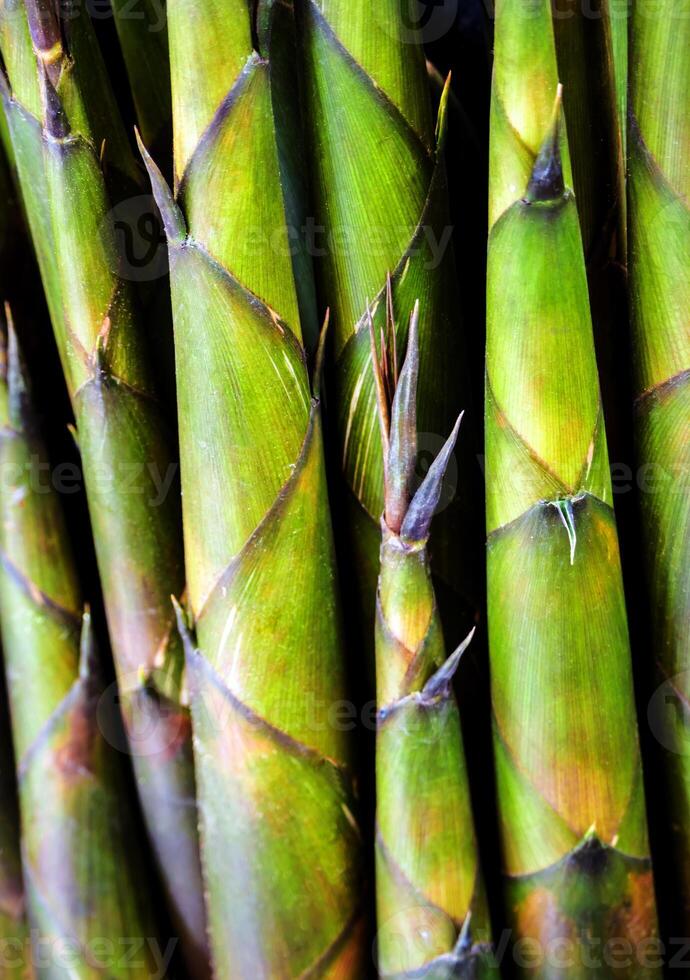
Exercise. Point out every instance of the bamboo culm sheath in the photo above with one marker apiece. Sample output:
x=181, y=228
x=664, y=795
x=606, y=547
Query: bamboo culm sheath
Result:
x=659, y=239
x=280, y=839
x=432, y=912
x=81, y=864
x=66, y=135
x=570, y=788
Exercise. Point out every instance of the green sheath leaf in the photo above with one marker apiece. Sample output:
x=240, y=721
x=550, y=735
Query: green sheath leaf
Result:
x=432, y=914
x=74, y=163
x=81, y=867
x=279, y=834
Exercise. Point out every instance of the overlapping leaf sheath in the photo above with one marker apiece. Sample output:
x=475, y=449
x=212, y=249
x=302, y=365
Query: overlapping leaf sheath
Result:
x=380, y=202
x=571, y=802
x=279, y=839
x=83, y=875
x=432, y=912
x=14, y=932
x=66, y=138
x=659, y=225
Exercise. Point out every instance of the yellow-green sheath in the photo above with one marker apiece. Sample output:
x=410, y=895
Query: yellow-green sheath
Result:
x=83, y=874
x=74, y=163
x=380, y=207
x=279, y=835
x=570, y=794
x=432, y=913
x=659, y=228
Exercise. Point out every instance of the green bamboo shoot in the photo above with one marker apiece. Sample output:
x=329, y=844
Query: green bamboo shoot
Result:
x=83, y=875
x=67, y=139
x=432, y=913
x=659, y=227
x=577, y=871
x=279, y=837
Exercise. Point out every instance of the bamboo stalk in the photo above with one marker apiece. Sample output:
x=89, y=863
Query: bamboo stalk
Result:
x=432, y=913
x=571, y=799
x=81, y=864
x=67, y=140
x=279, y=837
x=659, y=228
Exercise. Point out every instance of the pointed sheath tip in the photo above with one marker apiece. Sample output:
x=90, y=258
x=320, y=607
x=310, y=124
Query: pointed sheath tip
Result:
x=402, y=453
x=440, y=682
x=442, y=115
x=88, y=656
x=546, y=182
x=5, y=91
x=417, y=523
x=72, y=429
x=17, y=379
x=382, y=406
x=464, y=943
x=173, y=222
x=183, y=628
x=321, y=355
x=413, y=333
